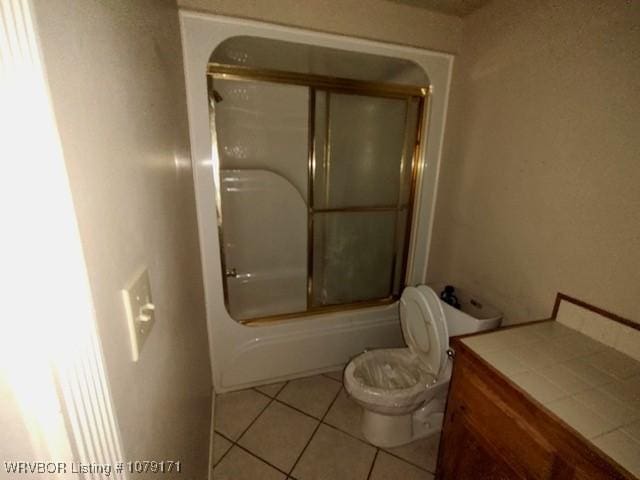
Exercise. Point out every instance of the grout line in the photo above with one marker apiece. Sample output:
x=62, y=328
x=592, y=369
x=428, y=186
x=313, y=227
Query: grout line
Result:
x=331, y=404
x=235, y=442
x=305, y=448
x=334, y=379
x=320, y=421
x=282, y=402
x=408, y=461
x=281, y=389
x=375, y=457
x=284, y=384
x=224, y=436
x=228, y=449
x=372, y=445
x=271, y=400
x=260, y=458
x=314, y=432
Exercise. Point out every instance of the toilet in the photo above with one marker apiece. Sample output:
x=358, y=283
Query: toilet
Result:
x=403, y=391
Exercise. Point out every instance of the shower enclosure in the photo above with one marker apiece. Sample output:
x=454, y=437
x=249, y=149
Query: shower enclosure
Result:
x=318, y=156
x=251, y=176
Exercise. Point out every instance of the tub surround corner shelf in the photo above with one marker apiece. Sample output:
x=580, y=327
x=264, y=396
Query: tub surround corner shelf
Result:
x=554, y=399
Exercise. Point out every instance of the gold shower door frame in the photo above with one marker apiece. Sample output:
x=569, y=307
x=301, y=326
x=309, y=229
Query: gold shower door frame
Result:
x=329, y=85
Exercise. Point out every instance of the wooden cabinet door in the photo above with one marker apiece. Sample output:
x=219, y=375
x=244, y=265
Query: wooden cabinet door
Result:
x=473, y=460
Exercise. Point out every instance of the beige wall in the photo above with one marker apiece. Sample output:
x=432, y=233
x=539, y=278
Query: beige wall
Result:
x=116, y=77
x=383, y=20
x=540, y=184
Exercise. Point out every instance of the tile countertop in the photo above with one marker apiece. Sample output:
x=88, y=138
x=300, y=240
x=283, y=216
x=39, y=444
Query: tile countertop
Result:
x=590, y=386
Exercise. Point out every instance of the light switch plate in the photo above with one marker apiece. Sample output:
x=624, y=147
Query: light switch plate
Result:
x=139, y=308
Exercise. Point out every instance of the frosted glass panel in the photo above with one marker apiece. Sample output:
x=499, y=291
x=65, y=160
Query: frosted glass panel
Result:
x=262, y=140
x=362, y=162
x=353, y=256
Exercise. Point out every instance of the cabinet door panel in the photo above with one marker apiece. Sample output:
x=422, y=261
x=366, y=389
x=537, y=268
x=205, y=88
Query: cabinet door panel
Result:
x=474, y=461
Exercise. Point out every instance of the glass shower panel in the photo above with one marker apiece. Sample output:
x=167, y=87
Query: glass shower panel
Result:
x=315, y=191
x=262, y=141
x=355, y=256
x=362, y=144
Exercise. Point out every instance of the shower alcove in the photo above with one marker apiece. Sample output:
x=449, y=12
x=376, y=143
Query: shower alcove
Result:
x=315, y=162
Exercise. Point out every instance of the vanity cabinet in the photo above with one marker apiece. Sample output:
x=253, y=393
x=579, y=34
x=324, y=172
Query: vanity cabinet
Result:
x=493, y=430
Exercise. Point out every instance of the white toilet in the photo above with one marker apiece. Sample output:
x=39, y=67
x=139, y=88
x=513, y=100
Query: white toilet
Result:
x=403, y=391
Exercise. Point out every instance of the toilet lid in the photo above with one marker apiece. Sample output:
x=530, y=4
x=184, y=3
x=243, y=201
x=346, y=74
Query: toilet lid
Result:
x=424, y=327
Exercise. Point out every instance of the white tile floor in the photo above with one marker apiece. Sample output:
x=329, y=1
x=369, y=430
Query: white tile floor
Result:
x=307, y=429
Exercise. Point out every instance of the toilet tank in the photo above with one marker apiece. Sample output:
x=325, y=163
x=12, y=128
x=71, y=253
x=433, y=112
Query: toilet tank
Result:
x=475, y=315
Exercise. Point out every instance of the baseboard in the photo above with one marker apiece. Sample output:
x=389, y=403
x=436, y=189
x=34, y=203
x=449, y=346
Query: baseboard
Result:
x=211, y=435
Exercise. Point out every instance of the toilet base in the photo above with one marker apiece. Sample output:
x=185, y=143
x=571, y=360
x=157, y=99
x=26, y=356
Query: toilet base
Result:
x=388, y=431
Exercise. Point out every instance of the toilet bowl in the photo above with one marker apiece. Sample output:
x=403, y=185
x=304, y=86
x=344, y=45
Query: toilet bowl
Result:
x=403, y=391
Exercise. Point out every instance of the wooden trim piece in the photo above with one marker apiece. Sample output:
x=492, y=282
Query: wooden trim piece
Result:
x=612, y=316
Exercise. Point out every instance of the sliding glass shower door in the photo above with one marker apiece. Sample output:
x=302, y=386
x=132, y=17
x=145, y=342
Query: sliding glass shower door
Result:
x=317, y=184
x=361, y=183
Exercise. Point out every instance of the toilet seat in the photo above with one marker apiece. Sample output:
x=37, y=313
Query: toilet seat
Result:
x=424, y=327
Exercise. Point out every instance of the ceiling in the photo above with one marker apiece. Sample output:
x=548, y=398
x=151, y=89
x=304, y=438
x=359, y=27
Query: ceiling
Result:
x=459, y=8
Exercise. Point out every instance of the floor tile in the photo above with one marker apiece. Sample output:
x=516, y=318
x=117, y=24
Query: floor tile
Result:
x=279, y=435
x=271, y=389
x=312, y=395
x=332, y=454
x=388, y=467
x=423, y=452
x=336, y=375
x=346, y=415
x=235, y=411
x=220, y=446
x=240, y=465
